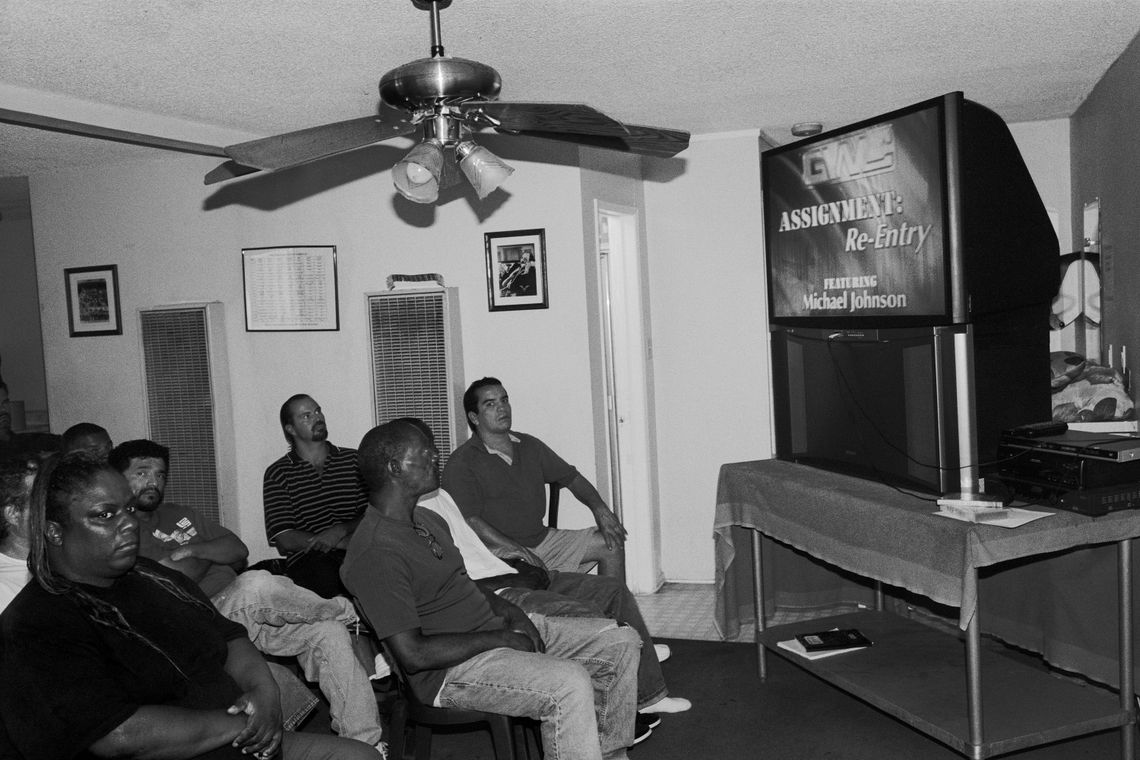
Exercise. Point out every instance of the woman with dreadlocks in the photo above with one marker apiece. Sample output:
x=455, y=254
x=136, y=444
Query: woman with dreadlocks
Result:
x=106, y=654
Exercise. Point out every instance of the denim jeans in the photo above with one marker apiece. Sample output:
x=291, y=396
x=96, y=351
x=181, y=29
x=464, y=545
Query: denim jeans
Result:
x=297, y=699
x=585, y=595
x=306, y=746
x=287, y=620
x=582, y=690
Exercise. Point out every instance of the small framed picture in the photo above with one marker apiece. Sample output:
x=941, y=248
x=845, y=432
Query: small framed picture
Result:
x=93, y=301
x=516, y=270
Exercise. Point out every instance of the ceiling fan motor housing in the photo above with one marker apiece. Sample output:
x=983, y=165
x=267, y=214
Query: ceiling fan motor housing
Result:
x=427, y=81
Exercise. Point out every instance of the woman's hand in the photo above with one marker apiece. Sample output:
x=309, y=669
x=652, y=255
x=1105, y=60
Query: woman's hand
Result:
x=262, y=733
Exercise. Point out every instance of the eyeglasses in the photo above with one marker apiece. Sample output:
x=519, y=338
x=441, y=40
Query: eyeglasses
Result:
x=426, y=535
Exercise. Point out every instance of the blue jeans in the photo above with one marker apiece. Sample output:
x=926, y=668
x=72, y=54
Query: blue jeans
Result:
x=287, y=620
x=585, y=595
x=298, y=746
x=582, y=690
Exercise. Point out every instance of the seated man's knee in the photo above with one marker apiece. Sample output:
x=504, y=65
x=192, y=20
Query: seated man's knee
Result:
x=570, y=681
x=628, y=636
x=597, y=546
x=332, y=633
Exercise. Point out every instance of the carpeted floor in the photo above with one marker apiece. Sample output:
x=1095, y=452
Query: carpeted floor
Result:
x=792, y=716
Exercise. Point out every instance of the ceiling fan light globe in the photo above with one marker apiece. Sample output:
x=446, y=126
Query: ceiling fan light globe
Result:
x=417, y=174
x=483, y=169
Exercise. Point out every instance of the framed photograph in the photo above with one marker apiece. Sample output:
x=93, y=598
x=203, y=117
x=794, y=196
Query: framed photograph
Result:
x=516, y=270
x=93, y=301
x=290, y=289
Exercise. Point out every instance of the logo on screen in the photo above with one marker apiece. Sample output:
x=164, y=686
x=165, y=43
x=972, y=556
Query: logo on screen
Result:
x=855, y=155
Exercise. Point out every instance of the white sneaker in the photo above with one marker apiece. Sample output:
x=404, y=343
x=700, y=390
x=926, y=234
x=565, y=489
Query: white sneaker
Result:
x=668, y=705
x=663, y=652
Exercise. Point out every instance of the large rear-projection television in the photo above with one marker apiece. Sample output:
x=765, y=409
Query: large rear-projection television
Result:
x=883, y=240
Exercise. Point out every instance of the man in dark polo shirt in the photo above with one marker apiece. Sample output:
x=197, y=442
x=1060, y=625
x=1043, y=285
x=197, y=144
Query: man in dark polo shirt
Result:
x=498, y=477
x=313, y=498
x=466, y=647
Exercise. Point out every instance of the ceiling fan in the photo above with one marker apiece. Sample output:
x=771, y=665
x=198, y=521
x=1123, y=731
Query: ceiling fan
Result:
x=447, y=99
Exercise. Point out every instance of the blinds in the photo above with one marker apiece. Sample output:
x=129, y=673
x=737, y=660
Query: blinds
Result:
x=180, y=403
x=416, y=361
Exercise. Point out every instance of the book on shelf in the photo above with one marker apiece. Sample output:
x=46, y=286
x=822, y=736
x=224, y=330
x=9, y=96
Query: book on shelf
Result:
x=835, y=638
x=814, y=646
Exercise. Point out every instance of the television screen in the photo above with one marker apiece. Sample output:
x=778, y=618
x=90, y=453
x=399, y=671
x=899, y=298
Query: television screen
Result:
x=856, y=225
x=877, y=404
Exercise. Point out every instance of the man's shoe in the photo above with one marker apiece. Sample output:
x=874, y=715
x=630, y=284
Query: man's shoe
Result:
x=663, y=652
x=668, y=705
x=641, y=731
x=649, y=720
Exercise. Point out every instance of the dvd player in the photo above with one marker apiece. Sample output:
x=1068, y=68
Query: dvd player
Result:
x=1071, y=460
x=1093, y=502
x=1117, y=447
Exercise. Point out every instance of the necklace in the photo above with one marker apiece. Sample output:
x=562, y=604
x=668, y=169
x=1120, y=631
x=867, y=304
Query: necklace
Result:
x=426, y=535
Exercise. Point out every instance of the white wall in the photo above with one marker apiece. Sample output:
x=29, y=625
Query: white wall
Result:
x=710, y=337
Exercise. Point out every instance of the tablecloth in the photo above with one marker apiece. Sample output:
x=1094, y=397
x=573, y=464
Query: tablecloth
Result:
x=883, y=533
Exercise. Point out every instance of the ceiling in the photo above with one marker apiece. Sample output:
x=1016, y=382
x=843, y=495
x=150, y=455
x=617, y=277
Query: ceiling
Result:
x=219, y=71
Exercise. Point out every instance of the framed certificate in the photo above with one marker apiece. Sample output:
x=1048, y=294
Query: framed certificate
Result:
x=290, y=289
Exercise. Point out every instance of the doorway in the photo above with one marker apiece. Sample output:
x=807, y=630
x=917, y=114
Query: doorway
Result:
x=626, y=363
x=21, y=339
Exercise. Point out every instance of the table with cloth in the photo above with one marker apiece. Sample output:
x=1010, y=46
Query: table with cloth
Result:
x=1056, y=593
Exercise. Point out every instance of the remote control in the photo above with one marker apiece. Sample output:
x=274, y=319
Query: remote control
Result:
x=1038, y=429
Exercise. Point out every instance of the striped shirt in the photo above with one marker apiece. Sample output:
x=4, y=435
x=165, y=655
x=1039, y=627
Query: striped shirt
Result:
x=297, y=497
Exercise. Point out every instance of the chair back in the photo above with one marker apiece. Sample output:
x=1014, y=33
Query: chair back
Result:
x=552, y=506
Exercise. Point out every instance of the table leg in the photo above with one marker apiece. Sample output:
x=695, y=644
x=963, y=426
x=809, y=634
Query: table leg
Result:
x=758, y=599
x=1127, y=690
x=974, y=676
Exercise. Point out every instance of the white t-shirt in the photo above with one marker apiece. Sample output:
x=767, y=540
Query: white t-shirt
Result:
x=478, y=559
x=14, y=576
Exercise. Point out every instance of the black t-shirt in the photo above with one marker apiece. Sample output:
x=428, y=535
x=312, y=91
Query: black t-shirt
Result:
x=68, y=681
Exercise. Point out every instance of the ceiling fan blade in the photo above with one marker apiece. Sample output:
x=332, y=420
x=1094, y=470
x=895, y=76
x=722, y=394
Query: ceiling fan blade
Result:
x=573, y=118
x=292, y=148
x=52, y=124
x=656, y=141
x=643, y=140
x=228, y=170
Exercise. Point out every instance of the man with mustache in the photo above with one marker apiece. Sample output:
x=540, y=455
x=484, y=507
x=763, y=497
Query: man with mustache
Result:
x=499, y=477
x=281, y=617
x=313, y=498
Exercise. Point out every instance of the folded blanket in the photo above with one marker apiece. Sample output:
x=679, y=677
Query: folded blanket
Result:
x=1087, y=392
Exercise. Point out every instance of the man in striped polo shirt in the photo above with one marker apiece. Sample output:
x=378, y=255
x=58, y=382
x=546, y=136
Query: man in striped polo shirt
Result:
x=313, y=497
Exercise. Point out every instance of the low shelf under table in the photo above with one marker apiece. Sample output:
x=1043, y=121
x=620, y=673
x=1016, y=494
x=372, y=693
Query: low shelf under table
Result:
x=930, y=680
x=914, y=672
